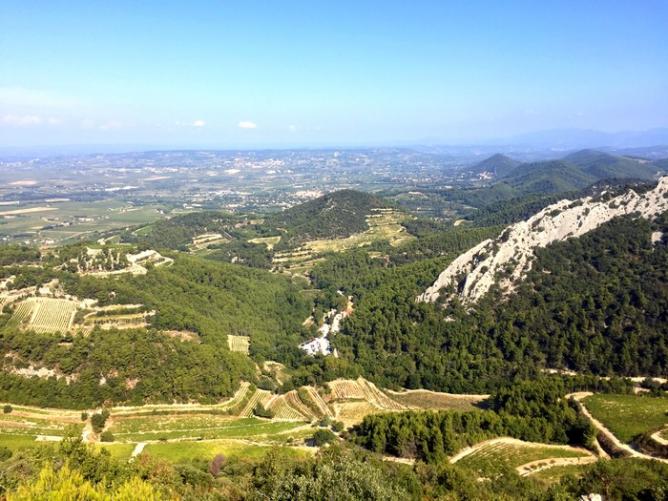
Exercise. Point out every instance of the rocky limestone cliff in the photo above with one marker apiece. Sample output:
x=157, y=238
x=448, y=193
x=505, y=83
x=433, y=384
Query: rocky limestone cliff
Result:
x=507, y=258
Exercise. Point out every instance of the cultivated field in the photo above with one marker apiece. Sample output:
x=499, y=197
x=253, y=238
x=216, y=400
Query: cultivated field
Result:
x=186, y=451
x=194, y=430
x=201, y=426
x=268, y=241
x=384, y=224
x=204, y=240
x=239, y=344
x=43, y=314
x=130, y=316
x=629, y=415
x=351, y=400
x=420, y=399
x=31, y=426
x=494, y=457
x=63, y=221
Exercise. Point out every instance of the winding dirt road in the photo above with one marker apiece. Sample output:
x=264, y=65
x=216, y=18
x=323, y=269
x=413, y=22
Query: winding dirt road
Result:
x=579, y=396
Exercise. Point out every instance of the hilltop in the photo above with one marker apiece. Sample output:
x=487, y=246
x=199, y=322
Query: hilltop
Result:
x=497, y=165
x=335, y=215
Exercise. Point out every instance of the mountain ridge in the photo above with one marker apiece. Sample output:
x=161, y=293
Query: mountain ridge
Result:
x=472, y=274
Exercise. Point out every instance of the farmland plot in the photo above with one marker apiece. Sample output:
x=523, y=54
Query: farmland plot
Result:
x=239, y=344
x=384, y=225
x=43, y=314
x=361, y=389
x=230, y=448
x=284, y=407
x=627, y=416
x=22, y=423
x=194, y=426
x=494, y=457
x=259, y=397
x=425, y=399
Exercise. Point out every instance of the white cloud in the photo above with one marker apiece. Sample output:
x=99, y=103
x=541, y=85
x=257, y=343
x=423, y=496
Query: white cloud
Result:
x=27, y=120
x=247, y=125
x=31, y=98
x=199, y=123
x=292, y=128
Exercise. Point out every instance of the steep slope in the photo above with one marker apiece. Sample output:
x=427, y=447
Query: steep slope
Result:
x=506, y=259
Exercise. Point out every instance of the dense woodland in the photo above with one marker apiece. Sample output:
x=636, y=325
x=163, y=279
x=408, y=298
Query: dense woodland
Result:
x=209, y=298
x=595, y=304
x=533, y=411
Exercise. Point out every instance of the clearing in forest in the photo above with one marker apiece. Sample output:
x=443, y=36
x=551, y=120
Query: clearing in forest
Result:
x=627, y=416
x=239, y=344
x=45, y=314
x=268, y=241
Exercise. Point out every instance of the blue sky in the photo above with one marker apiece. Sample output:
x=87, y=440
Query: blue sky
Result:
x=282, y=73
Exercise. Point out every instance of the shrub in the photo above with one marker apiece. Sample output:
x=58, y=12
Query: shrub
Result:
x=322, y=437
x=260, y=411
x=7, y=409
x=338, y=426
x=98, y=420
x=107, y=436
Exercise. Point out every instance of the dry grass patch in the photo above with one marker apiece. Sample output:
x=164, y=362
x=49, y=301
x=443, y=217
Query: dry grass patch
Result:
x=425, y=399
x=239, y=344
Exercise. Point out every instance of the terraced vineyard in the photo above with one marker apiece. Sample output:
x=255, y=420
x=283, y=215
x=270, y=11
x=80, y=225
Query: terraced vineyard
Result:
x=22, y=312
x=361, y=389
x=43, y=314
x=29, y=426
x=259, y=397
x=494, y=457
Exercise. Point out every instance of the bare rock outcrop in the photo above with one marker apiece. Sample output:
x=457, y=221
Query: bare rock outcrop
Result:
x=506, y=259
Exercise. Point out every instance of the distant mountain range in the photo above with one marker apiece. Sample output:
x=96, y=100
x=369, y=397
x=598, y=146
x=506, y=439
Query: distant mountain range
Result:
x=570, y=139
x=572, y=172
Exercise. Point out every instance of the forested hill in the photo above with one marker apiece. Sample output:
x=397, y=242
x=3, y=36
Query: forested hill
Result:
x=605, y=166
x=498, y=165
x=335, y=215
x=555, y=176
x=177, y=232
x=595, y=304
x=576, y=171
x=528, y=187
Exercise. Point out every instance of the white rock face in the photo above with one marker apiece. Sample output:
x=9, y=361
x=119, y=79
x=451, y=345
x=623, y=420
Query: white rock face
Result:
x=474, y=272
